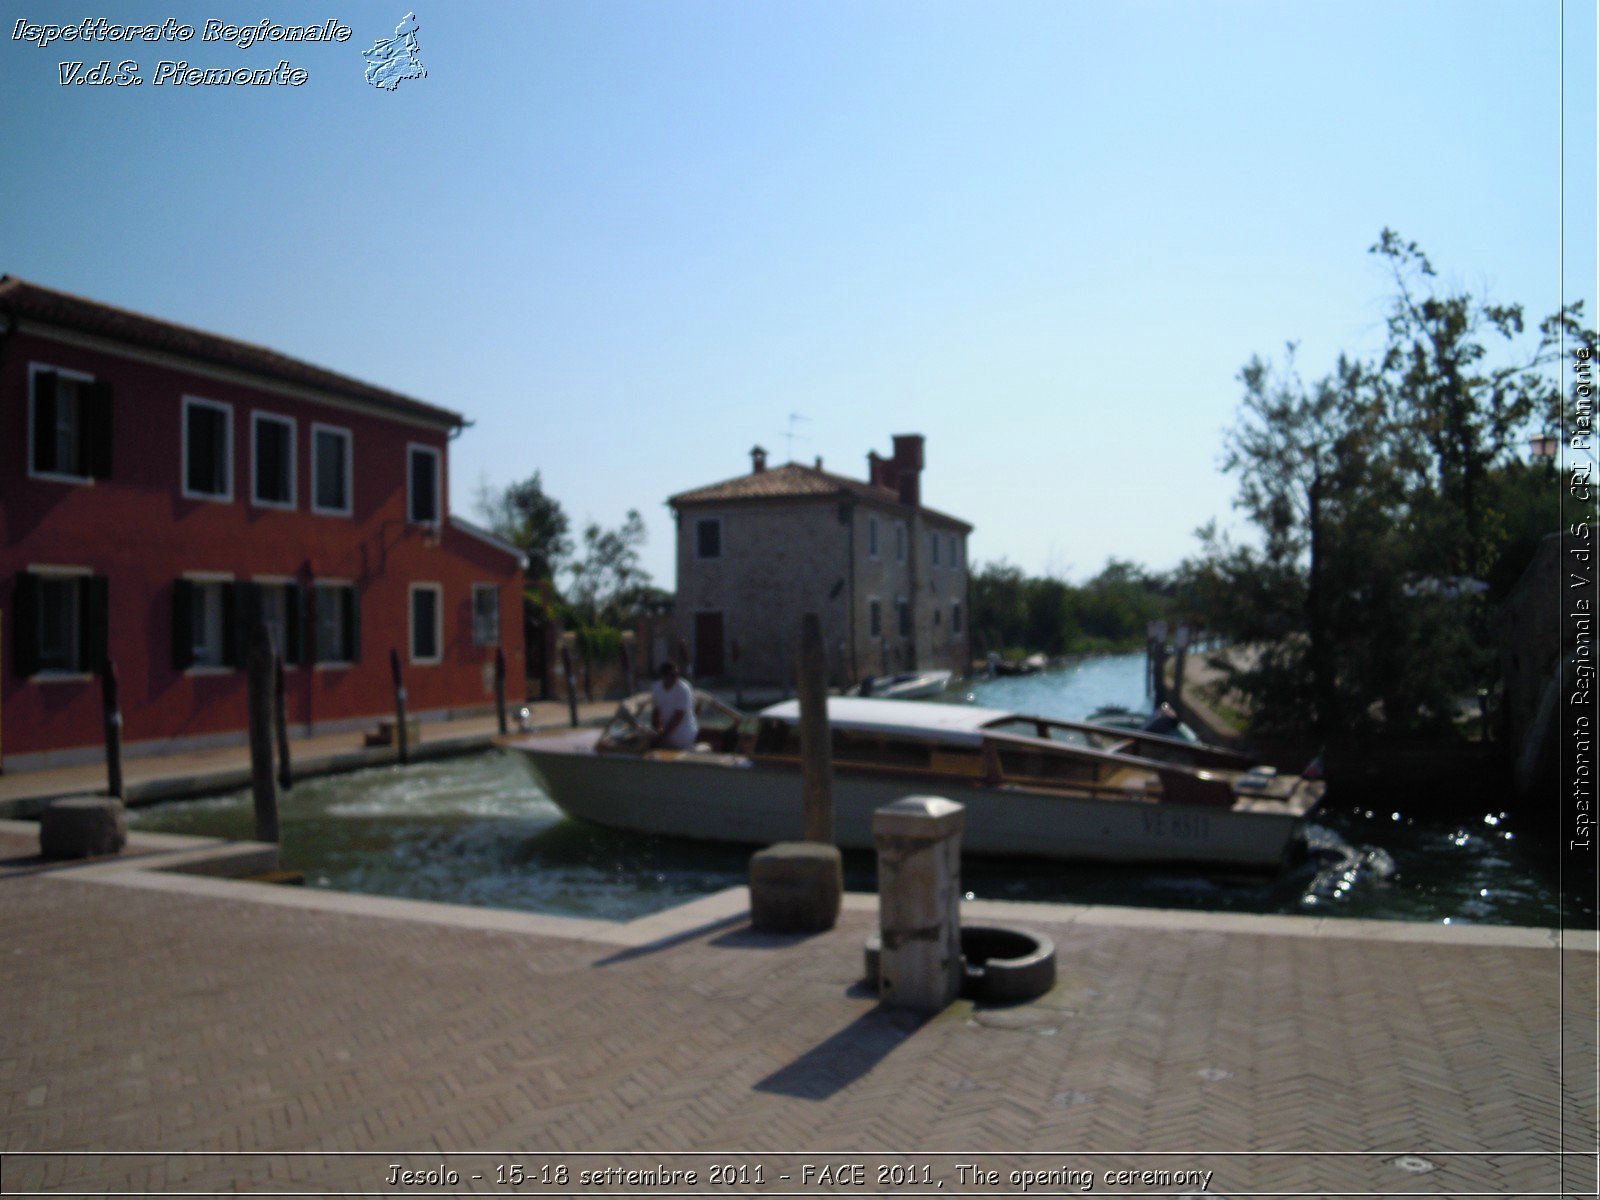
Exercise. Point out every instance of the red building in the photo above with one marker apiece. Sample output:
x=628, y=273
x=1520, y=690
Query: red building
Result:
x=163, y=491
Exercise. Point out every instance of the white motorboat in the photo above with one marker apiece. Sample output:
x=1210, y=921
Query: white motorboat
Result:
x=1032, y=786
x=907, y=685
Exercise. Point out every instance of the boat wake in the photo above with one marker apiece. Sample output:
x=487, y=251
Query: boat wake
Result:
x=1339, y=869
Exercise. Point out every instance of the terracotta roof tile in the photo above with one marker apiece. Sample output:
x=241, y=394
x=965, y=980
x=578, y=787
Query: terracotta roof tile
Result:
x=794, y=481
x=29, y=300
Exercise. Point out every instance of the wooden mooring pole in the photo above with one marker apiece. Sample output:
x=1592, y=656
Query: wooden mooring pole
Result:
x=500, y=686
x=402, y=735
x=572, y=687
x=263, y=786
x=113, y=715
x=280, y=707
x=816, y=752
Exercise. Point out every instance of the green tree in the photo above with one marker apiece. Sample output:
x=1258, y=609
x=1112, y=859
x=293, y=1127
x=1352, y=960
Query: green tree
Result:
x=1317, y=479
x=1467, y=385
x=1382, y=495
x=606, y=581
x=529, y=519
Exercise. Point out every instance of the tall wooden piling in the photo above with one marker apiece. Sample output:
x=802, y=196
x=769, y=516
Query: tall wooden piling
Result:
x=113, y=723
x=816, y=752
x=281, y=710
x=572, y=687
x=263, y=786
x=500, y=687
x=402, y=735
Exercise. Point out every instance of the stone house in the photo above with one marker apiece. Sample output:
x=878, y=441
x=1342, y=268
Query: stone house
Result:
x=887, y=575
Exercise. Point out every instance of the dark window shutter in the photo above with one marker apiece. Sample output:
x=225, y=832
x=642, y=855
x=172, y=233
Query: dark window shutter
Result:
x=97, y=431
x=294, y=625
x=313, y=652
x=95, y=615
x=44, y=421
x=183, y=625
x=241, y=613
x=352, y=621
x=25, y=624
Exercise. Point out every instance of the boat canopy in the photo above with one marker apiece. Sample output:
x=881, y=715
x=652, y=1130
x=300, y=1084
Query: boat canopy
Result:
x=952, y=724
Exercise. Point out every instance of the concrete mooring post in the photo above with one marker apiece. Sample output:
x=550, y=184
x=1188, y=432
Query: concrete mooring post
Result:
x=919, y=901
x=797, y=887
x=263, y=786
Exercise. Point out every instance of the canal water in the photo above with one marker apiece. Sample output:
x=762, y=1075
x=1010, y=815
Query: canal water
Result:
x=479, y=830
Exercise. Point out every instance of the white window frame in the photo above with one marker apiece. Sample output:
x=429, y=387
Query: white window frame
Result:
x=35, y=369
x=494, y=589
x=204, y=578
x=349, y=470
x=224, y=497
x=721, y=544
x=56, y=674
x=874, y=545
x=332, y=664
x=257, y=416
x=438, y=484
x=438, y=623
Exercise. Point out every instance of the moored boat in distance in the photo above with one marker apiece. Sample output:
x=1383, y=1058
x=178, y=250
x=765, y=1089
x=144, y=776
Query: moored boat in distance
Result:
x=907, y=685
x=1033, y=787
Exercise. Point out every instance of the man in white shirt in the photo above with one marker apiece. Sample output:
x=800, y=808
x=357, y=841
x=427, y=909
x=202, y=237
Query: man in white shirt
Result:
x=672, y=715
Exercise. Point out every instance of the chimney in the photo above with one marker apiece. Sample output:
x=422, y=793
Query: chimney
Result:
x=758, y=460
x=907, y=464
x=819, y=462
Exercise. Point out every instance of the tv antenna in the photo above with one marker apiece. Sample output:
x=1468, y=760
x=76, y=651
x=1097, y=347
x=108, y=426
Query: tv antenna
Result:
x=790, y=435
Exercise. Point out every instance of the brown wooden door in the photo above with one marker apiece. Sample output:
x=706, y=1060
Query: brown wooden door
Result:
x=708, y=645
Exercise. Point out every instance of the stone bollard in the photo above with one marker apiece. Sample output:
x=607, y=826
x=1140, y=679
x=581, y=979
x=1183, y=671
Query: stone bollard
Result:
x=919, y=901
x=796, y=887
x=82, y=827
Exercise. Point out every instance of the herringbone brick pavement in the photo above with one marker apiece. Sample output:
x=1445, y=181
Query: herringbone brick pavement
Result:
x=140, y=1020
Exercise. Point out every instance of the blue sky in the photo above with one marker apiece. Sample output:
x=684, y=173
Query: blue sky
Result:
x=629, y=239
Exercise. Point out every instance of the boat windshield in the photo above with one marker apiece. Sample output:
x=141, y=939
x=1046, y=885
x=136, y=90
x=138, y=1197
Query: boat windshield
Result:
x=1032, y=727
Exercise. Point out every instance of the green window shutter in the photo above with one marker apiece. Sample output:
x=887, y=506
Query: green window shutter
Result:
x=241, y=610
x=44, y=421
x=96, y=440
x=352, y=621
x=25, y=624
x=183, y=625
x=313, y=652
x=95, y=615
x=294, y=624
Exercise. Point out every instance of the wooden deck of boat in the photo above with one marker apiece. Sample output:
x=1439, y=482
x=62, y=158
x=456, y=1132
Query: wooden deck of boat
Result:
x=565, y=741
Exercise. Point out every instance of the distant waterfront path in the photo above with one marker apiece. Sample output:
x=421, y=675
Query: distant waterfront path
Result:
x=198, y=772
x=158, y=1013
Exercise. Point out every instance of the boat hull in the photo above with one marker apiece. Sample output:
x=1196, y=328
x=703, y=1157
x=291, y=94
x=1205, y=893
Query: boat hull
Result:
x=732, y=799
